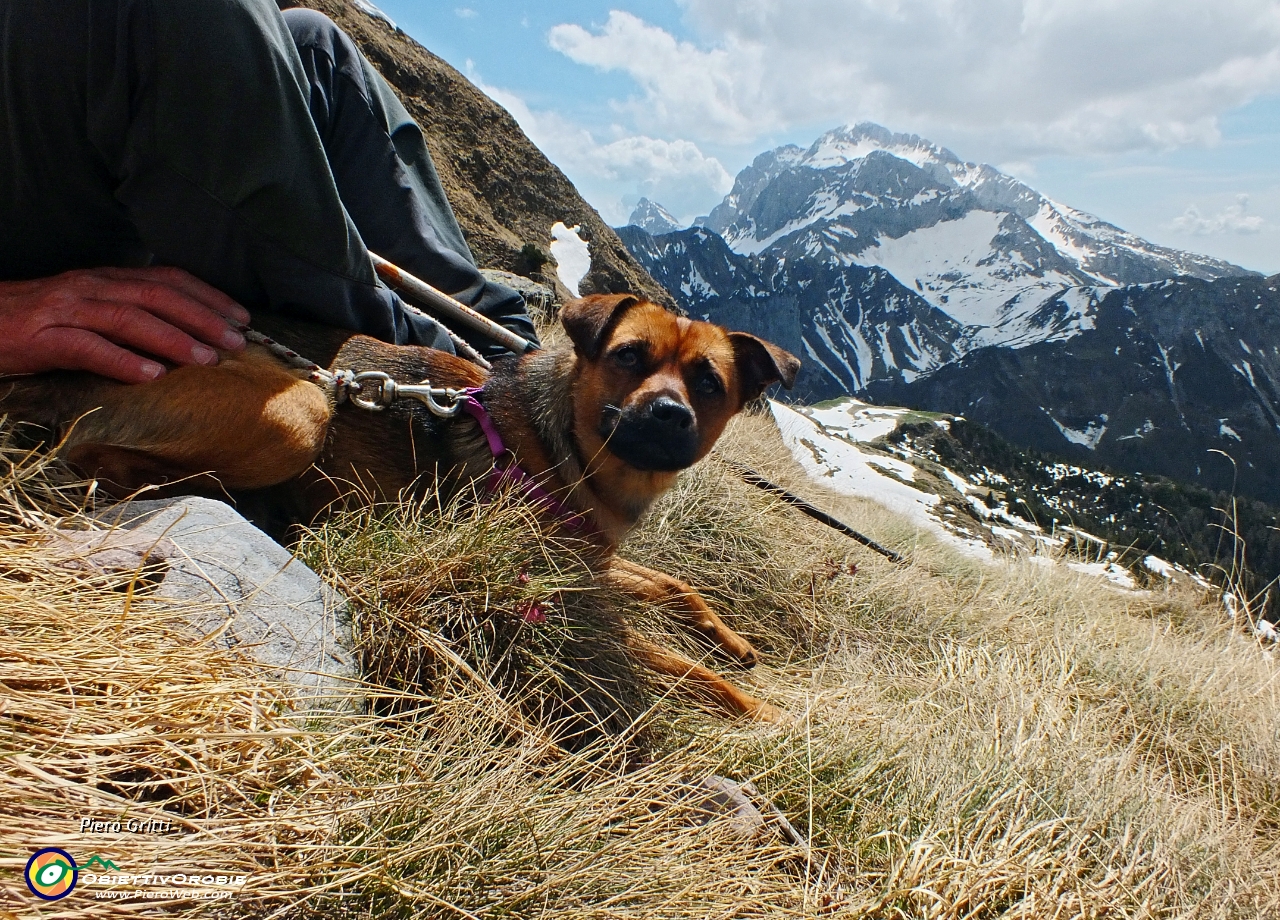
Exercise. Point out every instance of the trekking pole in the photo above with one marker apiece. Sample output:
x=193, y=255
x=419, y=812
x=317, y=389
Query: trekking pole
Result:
x=447, y=306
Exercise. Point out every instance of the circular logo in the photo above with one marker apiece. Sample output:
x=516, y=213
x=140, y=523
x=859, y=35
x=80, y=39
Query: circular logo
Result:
x=51, y=874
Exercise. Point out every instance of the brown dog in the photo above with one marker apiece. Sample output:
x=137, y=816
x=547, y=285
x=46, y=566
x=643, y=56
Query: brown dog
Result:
x=604, y=426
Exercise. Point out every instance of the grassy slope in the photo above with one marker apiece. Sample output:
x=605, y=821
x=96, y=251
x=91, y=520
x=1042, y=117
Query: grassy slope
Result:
x=969, y=741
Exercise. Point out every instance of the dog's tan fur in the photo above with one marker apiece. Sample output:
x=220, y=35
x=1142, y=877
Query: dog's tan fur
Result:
x=250, y=423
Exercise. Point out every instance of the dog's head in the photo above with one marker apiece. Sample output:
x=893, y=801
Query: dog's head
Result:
x=655, y=390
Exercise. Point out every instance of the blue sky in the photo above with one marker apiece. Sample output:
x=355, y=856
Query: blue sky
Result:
x=1161, y=116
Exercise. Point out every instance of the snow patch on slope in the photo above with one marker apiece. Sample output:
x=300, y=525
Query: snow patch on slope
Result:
x=369, y=9
x=957, y=266
x=572, y=255
x=1090, y=437
x=828, y=442
x=847, y=468
x=855, y=421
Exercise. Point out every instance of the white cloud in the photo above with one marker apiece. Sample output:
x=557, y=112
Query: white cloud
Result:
x=464, y=12
x=1232, y=219
x=684, y=86
x=674, y=173
x=1014, y=78
x=613, y=175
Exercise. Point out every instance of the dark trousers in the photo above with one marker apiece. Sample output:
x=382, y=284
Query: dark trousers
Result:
x=261, y=154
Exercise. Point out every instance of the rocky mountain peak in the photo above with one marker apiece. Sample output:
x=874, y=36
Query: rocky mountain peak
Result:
x=853, y=142
x=750, y=183
x=653, y=218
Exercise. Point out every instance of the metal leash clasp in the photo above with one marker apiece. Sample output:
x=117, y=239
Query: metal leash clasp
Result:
x=382, y=391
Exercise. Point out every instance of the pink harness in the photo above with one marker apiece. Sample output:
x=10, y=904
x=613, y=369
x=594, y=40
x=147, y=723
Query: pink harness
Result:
x=506, y=473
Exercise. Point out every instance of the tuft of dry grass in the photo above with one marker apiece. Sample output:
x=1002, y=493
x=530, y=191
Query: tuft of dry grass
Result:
x=969, y=741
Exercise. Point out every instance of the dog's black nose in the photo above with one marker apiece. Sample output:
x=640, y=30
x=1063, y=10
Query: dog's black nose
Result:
x=670, y=412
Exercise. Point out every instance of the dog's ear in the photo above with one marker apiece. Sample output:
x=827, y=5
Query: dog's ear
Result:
x=761, y=364
x=589, y=319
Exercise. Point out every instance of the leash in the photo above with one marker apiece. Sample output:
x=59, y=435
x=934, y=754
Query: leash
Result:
x=753, y=478
x=374, y=391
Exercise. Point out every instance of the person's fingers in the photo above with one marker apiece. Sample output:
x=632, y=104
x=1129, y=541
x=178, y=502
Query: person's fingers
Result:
x=139, y=329
x=188, y=284
x=104, y=301
x=80, y=349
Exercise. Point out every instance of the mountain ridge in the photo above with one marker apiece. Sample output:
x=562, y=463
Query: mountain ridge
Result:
x=1090, y=242
x=900, y=272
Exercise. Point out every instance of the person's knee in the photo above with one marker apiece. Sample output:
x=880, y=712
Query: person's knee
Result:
x=313, y=29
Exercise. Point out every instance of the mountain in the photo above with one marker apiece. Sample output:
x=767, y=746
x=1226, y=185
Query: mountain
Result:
x=652, y=218
x=1180, y=379
x=898, y=270
x=851, y=324
x=987, y=498
x=981, y=246
x=506, y=194
x=821, y=186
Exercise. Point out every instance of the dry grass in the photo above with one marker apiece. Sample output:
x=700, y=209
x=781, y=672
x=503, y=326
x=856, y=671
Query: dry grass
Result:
x=970, y=741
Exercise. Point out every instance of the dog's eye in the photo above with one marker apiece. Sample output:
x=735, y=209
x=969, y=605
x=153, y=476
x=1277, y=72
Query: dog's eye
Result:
x=627, y=356
x=708, y=384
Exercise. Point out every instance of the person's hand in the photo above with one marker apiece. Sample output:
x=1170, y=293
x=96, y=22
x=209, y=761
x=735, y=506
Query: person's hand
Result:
x=115, y=322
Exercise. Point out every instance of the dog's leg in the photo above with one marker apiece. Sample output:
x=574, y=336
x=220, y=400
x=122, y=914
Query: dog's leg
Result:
x=704, y=682
x=673, y=594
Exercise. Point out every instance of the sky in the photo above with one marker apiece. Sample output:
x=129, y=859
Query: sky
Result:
x=1160, y=116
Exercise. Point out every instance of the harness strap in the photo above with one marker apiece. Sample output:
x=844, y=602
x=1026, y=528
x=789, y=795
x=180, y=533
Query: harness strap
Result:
x=346, y=384
x=506, y=472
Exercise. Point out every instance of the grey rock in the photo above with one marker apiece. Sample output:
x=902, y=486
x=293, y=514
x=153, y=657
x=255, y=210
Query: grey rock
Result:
x=244, y=590
x=108, y=552
x=743, y=809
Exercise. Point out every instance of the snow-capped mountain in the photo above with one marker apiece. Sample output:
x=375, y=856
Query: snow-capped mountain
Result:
x=894, y=268
x=1180, y=378
x=652, y=218
x=979, y=245
x=851, y=324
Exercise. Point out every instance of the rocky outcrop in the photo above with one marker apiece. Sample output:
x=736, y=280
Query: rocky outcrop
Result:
x=506, y=193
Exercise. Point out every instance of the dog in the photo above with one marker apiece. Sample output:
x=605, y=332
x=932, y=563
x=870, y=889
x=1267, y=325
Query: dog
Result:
x=599, y=427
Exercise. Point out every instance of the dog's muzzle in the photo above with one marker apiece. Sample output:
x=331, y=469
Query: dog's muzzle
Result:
x=659, y=436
